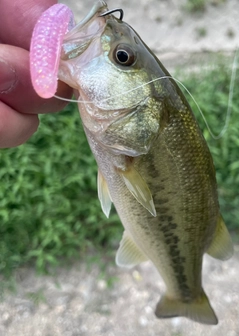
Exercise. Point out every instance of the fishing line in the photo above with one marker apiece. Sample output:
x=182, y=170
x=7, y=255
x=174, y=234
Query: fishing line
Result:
x=230, y=97
x=229, y=106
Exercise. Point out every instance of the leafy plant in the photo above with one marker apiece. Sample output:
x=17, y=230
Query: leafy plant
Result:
x=195, y=5
x=199, y=6
x=48, y=198
x=201, y=32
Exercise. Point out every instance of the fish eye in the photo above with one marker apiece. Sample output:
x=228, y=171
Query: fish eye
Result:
x=124, y=55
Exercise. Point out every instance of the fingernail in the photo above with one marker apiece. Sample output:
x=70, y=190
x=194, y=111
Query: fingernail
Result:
x=8, y=78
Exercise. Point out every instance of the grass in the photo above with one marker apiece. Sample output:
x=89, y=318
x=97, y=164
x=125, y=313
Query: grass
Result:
x=49, y=208
x=201, y=32
x=199, y=6
x=195, y=6
x=48, y=198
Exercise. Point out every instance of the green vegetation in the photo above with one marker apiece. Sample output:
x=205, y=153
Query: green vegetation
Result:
x=48, y=198
x=230, y=33
x=193, y=6
x=199, y=6
x=49, y=208
x=201, y=32
x=37, y=297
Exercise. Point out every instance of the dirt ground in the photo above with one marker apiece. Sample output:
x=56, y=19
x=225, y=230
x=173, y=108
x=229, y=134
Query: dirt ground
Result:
x=76, y=301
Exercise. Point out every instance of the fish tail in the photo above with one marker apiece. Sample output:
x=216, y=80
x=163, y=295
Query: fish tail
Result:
x=198, y=310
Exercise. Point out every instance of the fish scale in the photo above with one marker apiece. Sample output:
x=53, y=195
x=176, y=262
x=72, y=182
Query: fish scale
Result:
x=170, y=225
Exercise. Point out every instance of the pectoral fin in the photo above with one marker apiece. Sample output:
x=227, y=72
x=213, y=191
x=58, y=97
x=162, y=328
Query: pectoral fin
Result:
x=221, y=246
x=139, y=189
x=103, y=194
x=128, y=254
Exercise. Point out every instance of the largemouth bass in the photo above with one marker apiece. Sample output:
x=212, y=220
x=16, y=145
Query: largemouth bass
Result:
x=154, y=163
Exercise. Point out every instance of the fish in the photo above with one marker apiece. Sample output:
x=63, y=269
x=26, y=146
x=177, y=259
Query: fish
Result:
x=154, y=164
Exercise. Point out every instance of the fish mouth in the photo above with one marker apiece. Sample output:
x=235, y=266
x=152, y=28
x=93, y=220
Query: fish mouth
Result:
x=80, y=37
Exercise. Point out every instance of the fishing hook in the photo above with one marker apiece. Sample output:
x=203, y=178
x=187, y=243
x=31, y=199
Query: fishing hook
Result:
x=113, y=11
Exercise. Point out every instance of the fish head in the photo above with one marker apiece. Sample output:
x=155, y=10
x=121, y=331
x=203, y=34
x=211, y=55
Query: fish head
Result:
x=110, y=68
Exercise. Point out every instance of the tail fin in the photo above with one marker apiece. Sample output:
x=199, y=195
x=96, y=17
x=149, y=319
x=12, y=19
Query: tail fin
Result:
x=198, y=310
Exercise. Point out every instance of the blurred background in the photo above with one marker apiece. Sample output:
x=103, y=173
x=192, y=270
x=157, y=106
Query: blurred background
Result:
x=51, y=223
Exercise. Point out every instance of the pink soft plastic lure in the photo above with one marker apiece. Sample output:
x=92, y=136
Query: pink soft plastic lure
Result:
x=45, y=48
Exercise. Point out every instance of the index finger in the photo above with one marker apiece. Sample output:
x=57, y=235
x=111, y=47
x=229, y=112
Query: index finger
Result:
x=18, y=19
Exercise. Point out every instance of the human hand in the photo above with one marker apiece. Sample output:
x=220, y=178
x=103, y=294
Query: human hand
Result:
x=19, y=104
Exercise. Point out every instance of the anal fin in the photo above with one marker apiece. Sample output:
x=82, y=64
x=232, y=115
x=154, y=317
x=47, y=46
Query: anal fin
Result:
x=221, y=246
x=139, y=189
x=103, y=194
x=129, y=254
